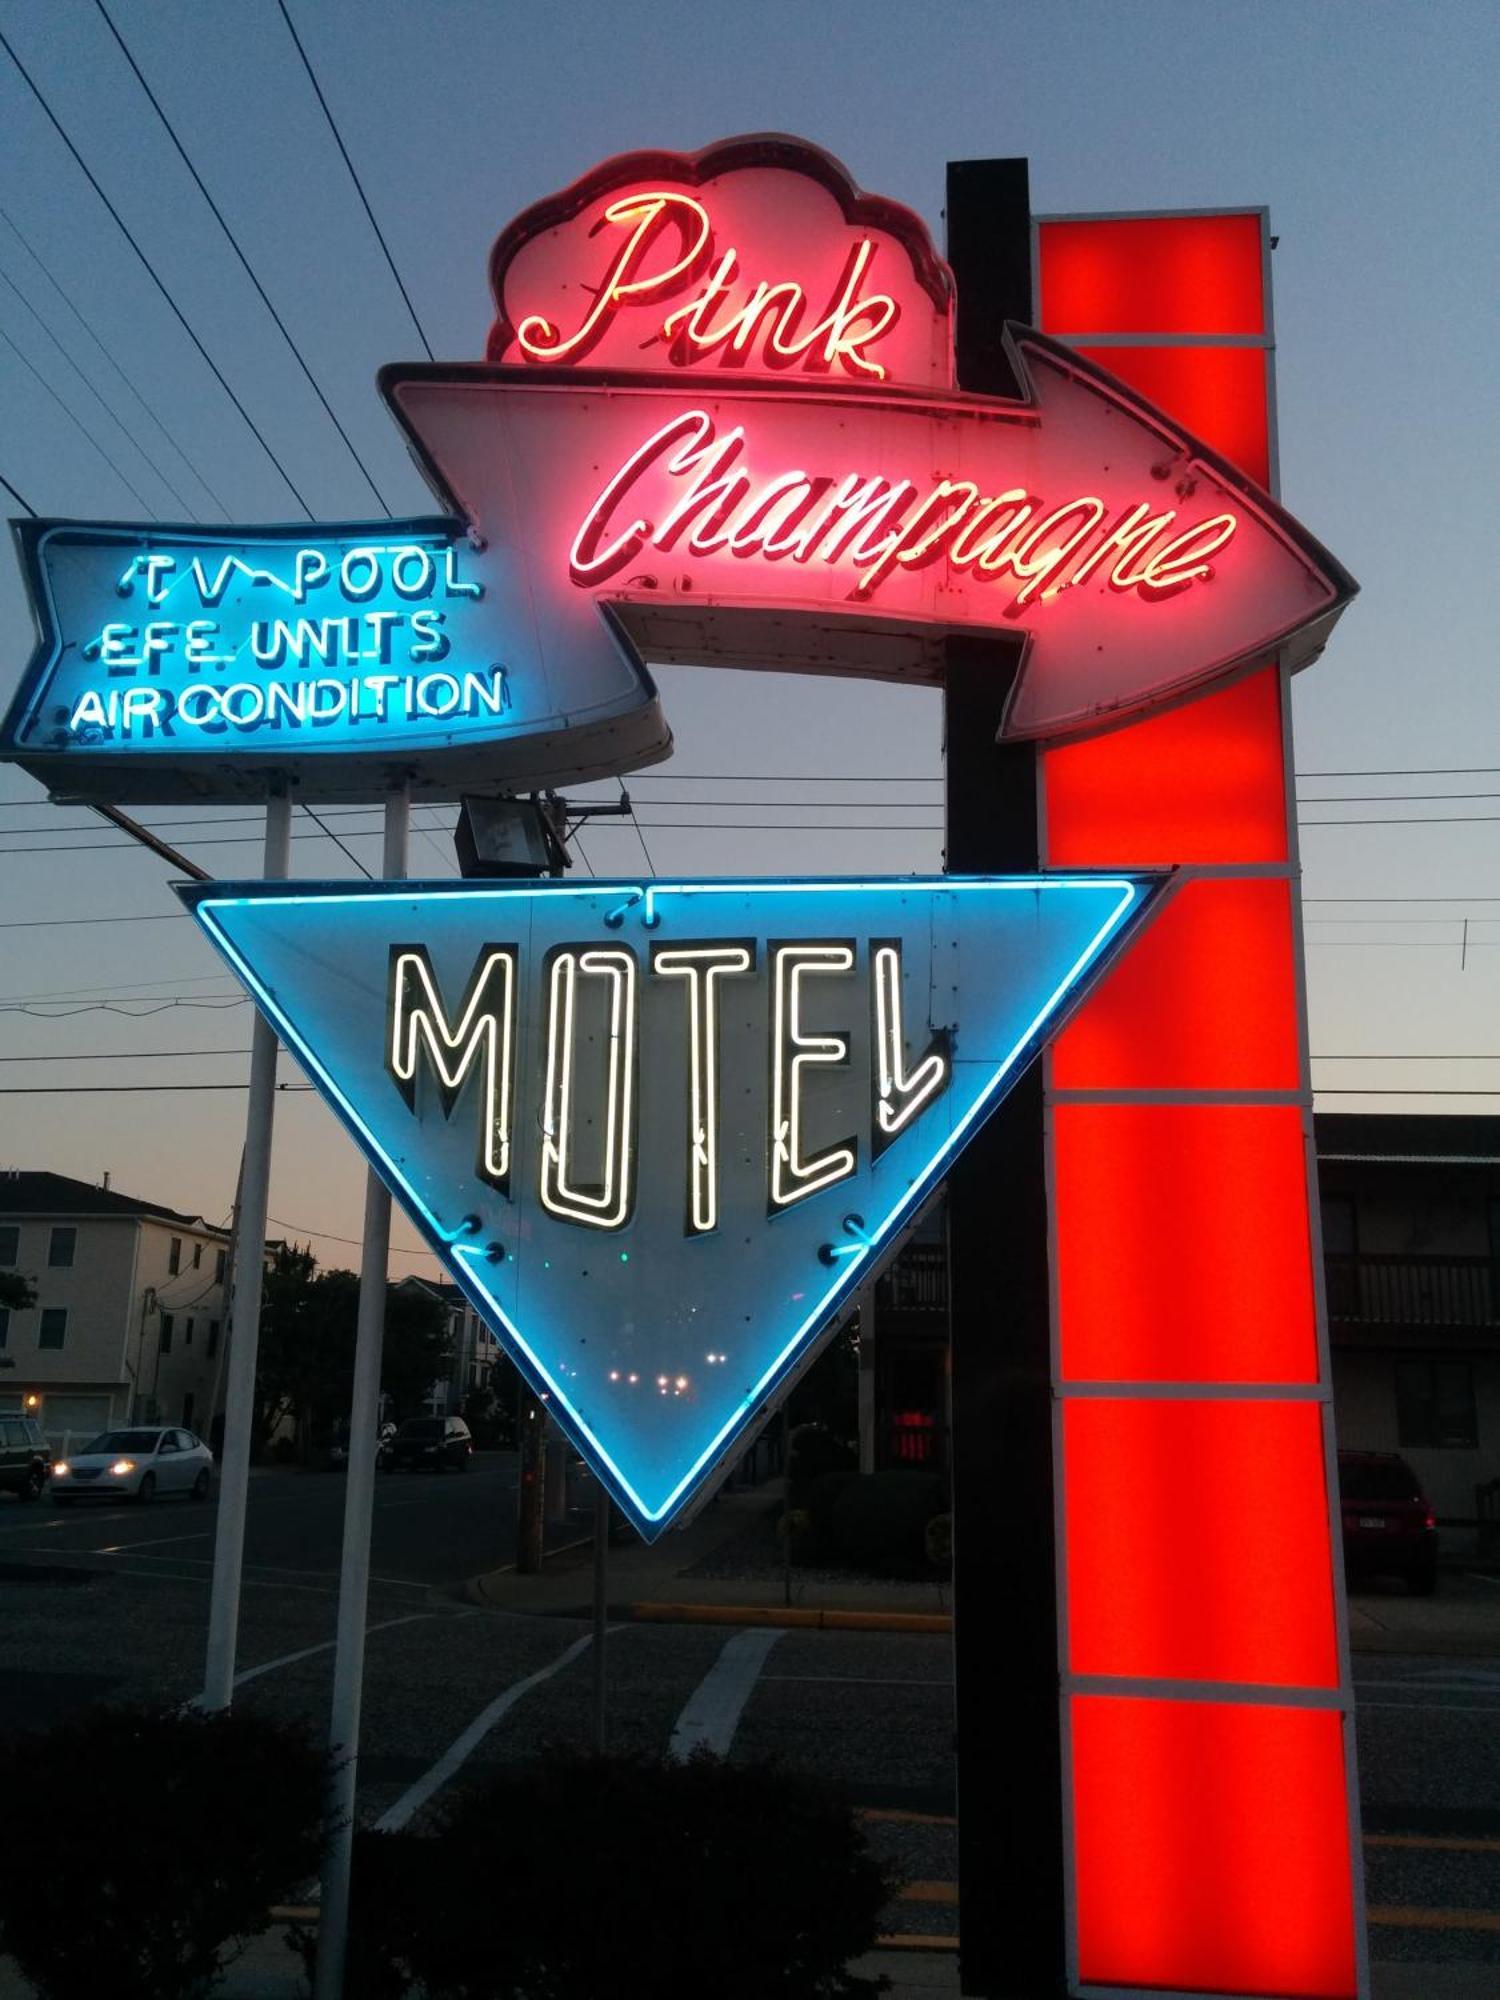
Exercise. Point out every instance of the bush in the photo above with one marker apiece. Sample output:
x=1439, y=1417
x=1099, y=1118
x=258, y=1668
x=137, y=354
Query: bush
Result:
x=142, y=1847
x=814, y=1452
x=880, y=1521
x=584, y=1878
x=822, y=1496
x=939, y=1539
x=397, y=1892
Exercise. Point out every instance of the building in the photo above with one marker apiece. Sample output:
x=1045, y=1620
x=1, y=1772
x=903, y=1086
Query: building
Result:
x=1411, y=1252
x=1411, y=1246
x=129, y=1317
x=475, y=1348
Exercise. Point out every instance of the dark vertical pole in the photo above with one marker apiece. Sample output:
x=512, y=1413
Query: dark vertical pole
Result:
x=1010, y=1831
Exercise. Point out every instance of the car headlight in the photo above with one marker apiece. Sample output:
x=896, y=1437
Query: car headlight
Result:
x=121, y=1466
x=61, y=1469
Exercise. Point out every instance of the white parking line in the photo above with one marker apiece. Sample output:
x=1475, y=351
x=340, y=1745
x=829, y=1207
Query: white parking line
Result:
x=462, y=1747
x=156, y=1542
x=715, y=1706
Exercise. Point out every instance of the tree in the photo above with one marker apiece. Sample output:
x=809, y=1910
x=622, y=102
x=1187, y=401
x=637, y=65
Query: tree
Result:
x=16, y=1292
x=309, y=1320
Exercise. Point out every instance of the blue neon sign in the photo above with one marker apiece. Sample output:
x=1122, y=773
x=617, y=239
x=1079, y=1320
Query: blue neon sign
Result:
x=658, y=1131
x=184, y=662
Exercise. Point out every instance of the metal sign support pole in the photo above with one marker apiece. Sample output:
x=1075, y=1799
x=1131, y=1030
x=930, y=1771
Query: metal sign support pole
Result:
x=359, y=1498
x=1010, y=1773
x=601, y=1593
x=243, y=1331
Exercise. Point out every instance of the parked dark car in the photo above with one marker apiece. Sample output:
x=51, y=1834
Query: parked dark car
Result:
x=25, y=1458
x=1389, y=1525
x=435, y=1444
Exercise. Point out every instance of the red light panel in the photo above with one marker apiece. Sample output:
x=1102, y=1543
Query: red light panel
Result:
x=1199, y=783
x=1153, y=274
x=1198, y=1541
x=1217, y=393
x=1212, y=1848
x=1205, y=999
x=1183, y=1248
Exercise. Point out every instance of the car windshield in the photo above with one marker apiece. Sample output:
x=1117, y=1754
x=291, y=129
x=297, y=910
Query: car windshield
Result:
x=422, y=1427
x=122, y=1441
x=1374, y=1480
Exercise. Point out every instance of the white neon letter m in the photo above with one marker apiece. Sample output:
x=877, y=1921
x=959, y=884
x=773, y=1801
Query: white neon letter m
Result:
x=483, y=1040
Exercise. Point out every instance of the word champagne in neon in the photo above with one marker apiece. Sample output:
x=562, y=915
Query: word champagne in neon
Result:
x=591, y=1079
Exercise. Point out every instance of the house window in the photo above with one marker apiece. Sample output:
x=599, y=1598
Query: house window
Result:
x=197, y=1256
x=166, y=1333
x=213, y=1338
x=64, y=1242
x=174, y=1257
x=187, y=1334
x=219, y=1262
x=1435, y=1403
x=10, y=1244
x=54, y=1326
x=4, y=1326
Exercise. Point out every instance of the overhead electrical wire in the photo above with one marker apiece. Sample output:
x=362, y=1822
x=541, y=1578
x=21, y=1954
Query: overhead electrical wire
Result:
x=328, y=832
x=130, y=438
x=245, y=264
x=21, y=501
x=177, y=313
x=354, y=176
x=36, y=257
x=77, y=422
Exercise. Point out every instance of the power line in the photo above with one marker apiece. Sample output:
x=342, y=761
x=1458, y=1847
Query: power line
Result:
x=9, y=281
x=77, y=422
x=353, y=175
x=125, y=1055
x=54, y=923
x=36, y=257
x=1415, y=771
x=20, y=501
x=328, y=830
x=151, y=272
x=125, y=1089
x=234, y=244
x=1391, y=798
x=327, y=1236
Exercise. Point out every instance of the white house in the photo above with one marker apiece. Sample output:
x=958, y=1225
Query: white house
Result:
x=129, y=1317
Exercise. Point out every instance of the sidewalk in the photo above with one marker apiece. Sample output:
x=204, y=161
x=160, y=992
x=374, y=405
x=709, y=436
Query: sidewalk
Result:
x=657, y=1584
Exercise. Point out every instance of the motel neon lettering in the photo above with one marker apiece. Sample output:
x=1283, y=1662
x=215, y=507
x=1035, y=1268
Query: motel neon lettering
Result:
x=688, y=487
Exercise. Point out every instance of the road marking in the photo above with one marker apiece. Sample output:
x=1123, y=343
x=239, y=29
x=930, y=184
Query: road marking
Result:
x=1432, y=1707
x=128, y=1548
x=462, y=1747
x=929, y=1892
x=1417, y=1917
x=1447, y=1842
x=1480, y=1577
x=325, y=1646
x=31, y=1527
x=715, y=1706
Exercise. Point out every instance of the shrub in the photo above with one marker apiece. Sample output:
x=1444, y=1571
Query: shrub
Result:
x=585, y=1878
x=152, y=1844
x=939, y=1539
x=880, y=1521
x=397, y=1892
x=816, y=1451
x=822, y=1496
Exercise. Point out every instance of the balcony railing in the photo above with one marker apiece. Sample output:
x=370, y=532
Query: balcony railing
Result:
x=1413, y=1291
x=916, y=1283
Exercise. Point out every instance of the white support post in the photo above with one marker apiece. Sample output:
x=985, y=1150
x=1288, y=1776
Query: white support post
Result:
x=244, y=1319
x=359, y=1498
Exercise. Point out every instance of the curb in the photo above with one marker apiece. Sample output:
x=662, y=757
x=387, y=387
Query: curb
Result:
x=792, y=1616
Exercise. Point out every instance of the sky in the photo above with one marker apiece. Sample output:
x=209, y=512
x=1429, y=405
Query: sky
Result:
x=1367, y=128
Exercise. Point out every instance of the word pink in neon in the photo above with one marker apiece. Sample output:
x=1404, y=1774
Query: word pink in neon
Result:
x=773, y=313
x=714, y=506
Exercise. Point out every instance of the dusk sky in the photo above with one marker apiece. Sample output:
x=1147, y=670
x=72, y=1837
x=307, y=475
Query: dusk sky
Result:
x=1367, y=128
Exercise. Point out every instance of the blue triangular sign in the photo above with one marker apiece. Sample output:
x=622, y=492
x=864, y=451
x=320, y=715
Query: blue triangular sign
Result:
x=658, y=1131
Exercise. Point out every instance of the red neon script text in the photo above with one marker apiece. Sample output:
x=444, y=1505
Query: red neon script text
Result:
x=703, y=499
x=722, y=317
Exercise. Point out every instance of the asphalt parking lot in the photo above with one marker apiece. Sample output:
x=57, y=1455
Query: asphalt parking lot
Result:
x=112, y=1604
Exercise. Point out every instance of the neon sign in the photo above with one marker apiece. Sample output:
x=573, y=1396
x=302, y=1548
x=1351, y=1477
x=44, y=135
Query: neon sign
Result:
x=183, y=662
x=656, y=1131
x=758, y=255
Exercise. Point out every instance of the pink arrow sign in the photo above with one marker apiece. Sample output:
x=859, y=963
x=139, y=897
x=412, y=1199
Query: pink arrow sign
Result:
x=834, y=526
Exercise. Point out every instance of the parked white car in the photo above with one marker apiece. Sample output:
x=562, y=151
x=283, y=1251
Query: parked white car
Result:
x=138, y=1464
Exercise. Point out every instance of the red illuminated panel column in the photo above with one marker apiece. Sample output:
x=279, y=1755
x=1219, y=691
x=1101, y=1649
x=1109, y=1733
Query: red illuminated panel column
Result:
x=1205, y=1670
